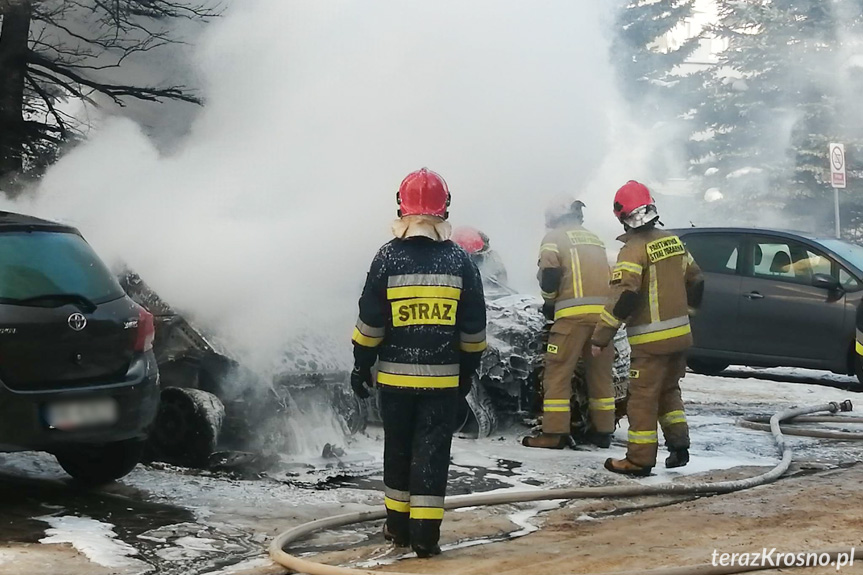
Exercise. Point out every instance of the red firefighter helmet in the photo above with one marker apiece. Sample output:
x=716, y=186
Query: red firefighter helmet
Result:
x=423, y=193
x=470, y=239
x=634, y=206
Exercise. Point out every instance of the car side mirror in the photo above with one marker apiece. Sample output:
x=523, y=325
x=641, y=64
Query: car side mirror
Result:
x=825, y=281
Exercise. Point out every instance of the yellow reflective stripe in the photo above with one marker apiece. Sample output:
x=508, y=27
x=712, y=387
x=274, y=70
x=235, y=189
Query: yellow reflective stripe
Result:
x=653, y=296
x=609, y=319
x=365, y=340
x=673, y=417
x=427, y=513
x=578, y=310
x=555, y=405
x=577, y=285
x=418, y=381
x=601, y=404
x=629, y=267
x=406, y=292
x=548, y=248
x=859, y=348
x=399, y=506
x=549, y=295
x=473, y=347
x=643, y=437
x=659, y=335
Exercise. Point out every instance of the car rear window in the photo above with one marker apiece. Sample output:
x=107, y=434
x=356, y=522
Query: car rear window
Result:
x=716, y=253
x=34, y=264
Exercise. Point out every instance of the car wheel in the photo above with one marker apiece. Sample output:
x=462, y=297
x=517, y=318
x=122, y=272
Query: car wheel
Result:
x=352, y=410
x=187, y=427
x=476, y=416
x=707, y=366
x=95, y=465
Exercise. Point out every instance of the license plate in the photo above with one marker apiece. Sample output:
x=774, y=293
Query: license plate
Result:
x=79, y=414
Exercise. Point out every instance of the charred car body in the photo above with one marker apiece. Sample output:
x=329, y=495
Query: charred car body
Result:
x=213, y=410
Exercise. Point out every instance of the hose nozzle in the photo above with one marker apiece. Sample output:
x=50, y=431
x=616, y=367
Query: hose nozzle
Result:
x=836, y=406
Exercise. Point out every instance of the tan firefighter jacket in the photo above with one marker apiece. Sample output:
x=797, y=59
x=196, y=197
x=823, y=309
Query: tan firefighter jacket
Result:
x=649, y=287
x=580, y=256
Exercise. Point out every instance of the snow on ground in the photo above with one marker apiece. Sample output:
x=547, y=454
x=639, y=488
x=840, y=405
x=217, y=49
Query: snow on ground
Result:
x=232, y=518
x=96, y=540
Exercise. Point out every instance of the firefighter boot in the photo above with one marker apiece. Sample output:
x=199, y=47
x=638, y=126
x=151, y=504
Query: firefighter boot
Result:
x=678, y=458
x=424, y=552
x=626, y=467
x=601, y=440
x=547, y=441
x=397, y=541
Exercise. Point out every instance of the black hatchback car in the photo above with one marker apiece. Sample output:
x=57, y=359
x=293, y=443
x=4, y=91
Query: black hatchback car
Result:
x=78, y=377
x=775, y=298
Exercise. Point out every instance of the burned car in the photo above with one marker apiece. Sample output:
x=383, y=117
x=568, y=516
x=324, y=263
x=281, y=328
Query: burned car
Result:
x=214, y=409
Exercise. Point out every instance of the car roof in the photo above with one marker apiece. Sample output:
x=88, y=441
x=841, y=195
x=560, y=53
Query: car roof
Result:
x=11, y=221
x=751, y=230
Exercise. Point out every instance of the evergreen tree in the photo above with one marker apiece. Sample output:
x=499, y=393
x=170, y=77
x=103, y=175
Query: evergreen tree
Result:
x=772, y=105
x=648, y=72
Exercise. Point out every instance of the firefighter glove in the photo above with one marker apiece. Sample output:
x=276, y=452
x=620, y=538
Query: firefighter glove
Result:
x=361, y=379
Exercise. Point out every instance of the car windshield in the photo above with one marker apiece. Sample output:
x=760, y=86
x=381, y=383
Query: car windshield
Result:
x=850, y=252
x=34, y=265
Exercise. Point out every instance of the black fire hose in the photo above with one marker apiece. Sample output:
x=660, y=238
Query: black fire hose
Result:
x=297, y=564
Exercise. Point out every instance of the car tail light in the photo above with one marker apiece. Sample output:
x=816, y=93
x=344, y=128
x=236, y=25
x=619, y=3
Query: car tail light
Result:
x=146, y=331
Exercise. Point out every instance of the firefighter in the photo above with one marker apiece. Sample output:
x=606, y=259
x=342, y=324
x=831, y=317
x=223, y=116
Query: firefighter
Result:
x=422, y=318
x=573, y=277
x=487, y=260
x=653, y=286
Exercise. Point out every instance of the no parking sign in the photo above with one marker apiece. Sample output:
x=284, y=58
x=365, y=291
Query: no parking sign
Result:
x=837, y=165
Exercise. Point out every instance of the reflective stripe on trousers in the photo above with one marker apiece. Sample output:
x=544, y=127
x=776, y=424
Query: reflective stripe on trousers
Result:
x=672, y=417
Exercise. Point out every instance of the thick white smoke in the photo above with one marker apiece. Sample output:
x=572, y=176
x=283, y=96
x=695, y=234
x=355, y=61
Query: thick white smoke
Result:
x=263, y=220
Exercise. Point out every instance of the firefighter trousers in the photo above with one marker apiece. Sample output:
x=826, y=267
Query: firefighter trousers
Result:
x=567, y=342
x=654, y=396
x=418, y=428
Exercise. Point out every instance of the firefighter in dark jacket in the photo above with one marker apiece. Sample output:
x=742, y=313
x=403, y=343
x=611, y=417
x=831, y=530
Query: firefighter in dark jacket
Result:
x=422, y=318
x=654, y=286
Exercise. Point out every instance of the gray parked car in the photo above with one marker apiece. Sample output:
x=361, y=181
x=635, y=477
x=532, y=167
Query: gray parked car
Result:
x=775, y=298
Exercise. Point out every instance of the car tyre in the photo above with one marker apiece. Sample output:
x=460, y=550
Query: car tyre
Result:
x=707, y=366
x=187, y=427
x=94, y=465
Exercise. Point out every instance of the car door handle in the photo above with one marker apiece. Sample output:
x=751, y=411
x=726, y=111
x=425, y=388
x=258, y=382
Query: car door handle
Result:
x=753, y=295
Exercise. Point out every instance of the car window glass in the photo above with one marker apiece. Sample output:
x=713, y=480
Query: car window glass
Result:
x=34, y=264
x=847, y=280
x=714, y=253
x=772, y=260
x=788, y=261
